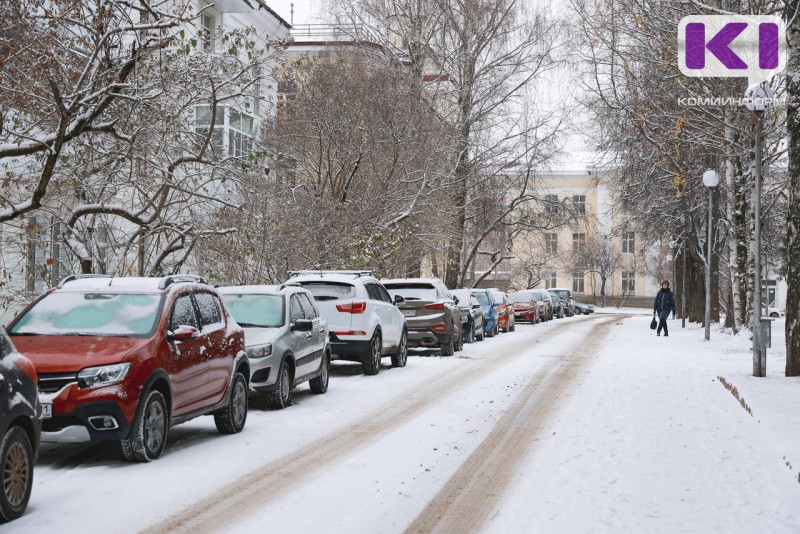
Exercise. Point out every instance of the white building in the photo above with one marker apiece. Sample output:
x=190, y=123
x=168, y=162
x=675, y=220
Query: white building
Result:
x=33, y=255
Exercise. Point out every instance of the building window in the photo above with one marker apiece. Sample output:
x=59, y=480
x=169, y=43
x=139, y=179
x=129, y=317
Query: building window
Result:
x=579, y=204
x=208, y=23
x=550, y=279
x=240, y=134
x=628, y=242
x=551, y=243
x=578, y=242
x=628, y=283
x=551, y=204
x=578, y=283
x=202, y=122
x=230, y=124
x=256, y=89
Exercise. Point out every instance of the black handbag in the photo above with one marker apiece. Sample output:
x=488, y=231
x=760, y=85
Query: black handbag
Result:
x=653, y=323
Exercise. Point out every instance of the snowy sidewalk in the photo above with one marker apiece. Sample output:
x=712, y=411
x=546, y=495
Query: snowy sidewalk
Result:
x=653, y=442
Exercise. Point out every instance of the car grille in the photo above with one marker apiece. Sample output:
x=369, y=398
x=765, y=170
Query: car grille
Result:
x=52, y=382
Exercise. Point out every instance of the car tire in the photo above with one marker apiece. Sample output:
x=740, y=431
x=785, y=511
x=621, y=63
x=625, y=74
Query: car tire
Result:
x=458, y=343
x=231, y=419
x=469, y=333
x=149, y=430
x=481, y=335
x=491, y=332
x=319, y=384
x=371, y=361
x=282, y=396
x=512, y=327
x=449, y=347
x=16, y=467
x=400, y=358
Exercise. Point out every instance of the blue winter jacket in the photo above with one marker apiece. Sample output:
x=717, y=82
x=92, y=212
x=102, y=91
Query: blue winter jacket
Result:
x=665, y=303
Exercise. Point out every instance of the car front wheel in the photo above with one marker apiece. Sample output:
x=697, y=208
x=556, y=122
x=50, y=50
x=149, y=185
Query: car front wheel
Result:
x=16, y=460
x=149, y=431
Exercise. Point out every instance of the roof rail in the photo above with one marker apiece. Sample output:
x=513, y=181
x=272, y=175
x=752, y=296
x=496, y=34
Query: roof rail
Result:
x=361, y=272
x=175, y=278
x=73, y=277
x=227, y=284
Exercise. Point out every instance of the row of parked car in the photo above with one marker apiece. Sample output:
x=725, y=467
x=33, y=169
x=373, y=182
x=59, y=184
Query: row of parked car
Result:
x=104, y=358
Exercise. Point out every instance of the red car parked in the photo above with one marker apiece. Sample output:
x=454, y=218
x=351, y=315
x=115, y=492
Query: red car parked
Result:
x=127, y=358
x=526, y=307
x=505, y=311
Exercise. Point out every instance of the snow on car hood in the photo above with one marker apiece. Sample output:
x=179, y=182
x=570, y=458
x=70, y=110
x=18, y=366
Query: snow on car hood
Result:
x=259, y=336
x=61, y=354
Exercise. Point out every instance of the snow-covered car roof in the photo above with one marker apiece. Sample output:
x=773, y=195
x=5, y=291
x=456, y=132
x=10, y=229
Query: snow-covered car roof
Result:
x=343, y=278
x=125, y=284
x=263, y=289
x=429, y=281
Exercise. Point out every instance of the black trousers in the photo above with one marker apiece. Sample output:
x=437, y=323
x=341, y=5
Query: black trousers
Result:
x=662, y=323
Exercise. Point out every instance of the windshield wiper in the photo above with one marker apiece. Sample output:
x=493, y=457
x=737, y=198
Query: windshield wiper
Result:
x=253, y=325
x=25, y=334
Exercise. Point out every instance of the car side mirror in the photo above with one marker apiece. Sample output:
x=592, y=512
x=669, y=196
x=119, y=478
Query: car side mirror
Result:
x=302, y=325
x=455, y=300
x=398, y=299
x=183, y=333
x=476, y=306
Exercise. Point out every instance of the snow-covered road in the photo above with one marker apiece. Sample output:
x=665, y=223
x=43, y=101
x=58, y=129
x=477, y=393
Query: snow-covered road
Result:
x=579, y=425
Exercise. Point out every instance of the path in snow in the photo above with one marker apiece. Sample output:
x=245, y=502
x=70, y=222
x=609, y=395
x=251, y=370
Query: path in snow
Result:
x=475, y=491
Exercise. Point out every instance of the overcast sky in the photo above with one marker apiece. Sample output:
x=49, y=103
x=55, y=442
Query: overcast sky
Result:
x=304, y=10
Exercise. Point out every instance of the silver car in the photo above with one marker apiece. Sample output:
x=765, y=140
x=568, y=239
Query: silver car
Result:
x=286, y=339
x=471, y=315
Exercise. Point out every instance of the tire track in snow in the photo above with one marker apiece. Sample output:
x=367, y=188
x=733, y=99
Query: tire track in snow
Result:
x=474, y=492
x=218, y=511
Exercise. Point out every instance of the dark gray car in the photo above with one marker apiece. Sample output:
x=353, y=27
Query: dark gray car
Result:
x=285, y=336
x=471, y=315
x=432, y=317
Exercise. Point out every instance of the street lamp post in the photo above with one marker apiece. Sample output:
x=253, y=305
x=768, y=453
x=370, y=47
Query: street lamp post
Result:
x=756, y=99
x=710, y=180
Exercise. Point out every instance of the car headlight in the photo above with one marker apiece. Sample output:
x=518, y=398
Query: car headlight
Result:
x=103, y=375
x=259, y=351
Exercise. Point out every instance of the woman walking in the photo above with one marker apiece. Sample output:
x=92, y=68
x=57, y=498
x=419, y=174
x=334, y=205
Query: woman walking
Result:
x=665, y=303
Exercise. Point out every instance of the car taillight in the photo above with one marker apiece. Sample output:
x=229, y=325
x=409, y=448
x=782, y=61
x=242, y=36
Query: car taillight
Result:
x=352, y=307
x=438, y=306
x=439, y=328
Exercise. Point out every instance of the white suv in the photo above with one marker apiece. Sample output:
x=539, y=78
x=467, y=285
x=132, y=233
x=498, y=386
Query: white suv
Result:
x=365, y=325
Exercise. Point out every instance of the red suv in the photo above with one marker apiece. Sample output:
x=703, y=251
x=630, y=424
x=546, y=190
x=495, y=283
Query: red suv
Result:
x=127, y=358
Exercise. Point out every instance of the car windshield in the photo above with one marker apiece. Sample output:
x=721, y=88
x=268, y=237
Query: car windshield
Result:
x=94, y=314
x=462, y=295
x=482, y=297
x=563, y=294
x=497, y=296
x=538, y=296
x=412, y=291
x=256, y=311
x=330, y=290
x=521, y=297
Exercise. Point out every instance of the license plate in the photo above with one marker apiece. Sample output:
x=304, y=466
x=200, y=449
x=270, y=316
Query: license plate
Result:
x=47, y=410
x=410, y=313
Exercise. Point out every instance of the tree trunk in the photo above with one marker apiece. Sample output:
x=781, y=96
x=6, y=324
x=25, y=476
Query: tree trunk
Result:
x=793, y=239
x=735, y=309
